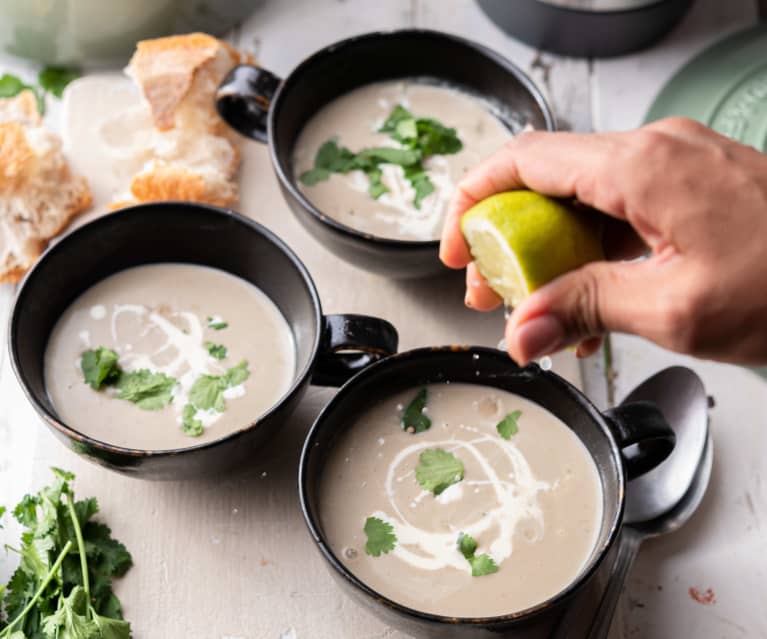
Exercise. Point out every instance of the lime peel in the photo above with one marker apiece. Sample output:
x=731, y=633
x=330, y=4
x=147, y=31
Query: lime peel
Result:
x=521, y=240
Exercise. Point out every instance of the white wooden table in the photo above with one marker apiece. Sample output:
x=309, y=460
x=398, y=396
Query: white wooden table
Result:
x=230, y=558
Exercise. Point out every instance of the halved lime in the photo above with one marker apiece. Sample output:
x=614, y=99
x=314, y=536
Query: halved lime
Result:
x=521, y=240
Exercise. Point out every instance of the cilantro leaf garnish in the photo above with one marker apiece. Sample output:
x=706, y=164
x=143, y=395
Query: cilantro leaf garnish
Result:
x=437, y=470
x=380, y=537
x=480, y=564
x=508, y=426
x=63, y=585
x=207, y=393
x=218, y=351
x=467, y=545
x=99, y=367
x=55, y=79
x=420, y=138
x=189, y=424
x=413, y=419
x=315, y=176
x=148, y=390
x=217, y=324
x=397, y=116
x=236, y=375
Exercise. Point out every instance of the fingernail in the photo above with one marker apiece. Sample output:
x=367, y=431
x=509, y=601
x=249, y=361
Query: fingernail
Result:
x=540, y=336
x=467, y=300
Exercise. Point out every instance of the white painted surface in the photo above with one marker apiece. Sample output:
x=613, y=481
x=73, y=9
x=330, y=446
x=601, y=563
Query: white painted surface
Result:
x=229, y=557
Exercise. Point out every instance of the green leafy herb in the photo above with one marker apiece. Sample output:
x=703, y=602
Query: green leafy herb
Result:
x=420, y=138
x=467, y=545
x=508, y=426
x=381, y=537
x=438, y=469
x=10, y=85
x=99, y=367
x=421, y=183
x=55, y=79
x=216, y=350
x=207, y=393
x=396, y=117
x=480, y=564
x=315, y=176
x=236, y=375
x=217, y=324
x=148, y=390
x=413, y=418
x=63, y=585
x=189, y=424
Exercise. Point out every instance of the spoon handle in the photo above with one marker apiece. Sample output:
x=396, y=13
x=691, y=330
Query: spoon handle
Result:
x=627, y=551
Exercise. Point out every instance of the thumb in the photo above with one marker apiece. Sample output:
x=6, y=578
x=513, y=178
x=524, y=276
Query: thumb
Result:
x=598, y=297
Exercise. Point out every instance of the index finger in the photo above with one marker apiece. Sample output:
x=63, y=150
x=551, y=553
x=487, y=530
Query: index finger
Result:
x=557, y=164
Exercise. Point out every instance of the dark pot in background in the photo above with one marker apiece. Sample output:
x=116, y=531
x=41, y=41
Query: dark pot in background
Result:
x=261, y=106
x=75, y=33
x=192, y=233
x=624, y=442
x=587, y=28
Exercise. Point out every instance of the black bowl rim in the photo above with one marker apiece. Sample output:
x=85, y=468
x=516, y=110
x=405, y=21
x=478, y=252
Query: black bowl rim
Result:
x=218, y=213
x=342, y=229
x=603, y=13
x=520, y=616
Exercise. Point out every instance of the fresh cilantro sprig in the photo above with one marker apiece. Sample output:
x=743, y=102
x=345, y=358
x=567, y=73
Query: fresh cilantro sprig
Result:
x=413, y=418
x=217, y=324
x=50, y=80
x=217, y=351
x=207, y=393
x=420, y=138
x=55, y=79
x=63, y=585
x=148, y=390
x=437, y=470
x=508, y=426
x=380, y=537
x=100, y=367
x=480, y=564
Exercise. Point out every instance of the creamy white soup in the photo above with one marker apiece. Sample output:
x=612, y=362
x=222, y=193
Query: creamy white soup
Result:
x=430, y=136
x=461, y=500
x=164, y=356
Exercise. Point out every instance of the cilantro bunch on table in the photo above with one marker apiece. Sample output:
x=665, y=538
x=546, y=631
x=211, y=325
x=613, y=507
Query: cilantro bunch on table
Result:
x=50, y=80
x=419, y=139
x=62, y=588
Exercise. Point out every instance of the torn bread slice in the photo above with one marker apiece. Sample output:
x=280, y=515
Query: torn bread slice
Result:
x=179, y=75
x=39, y=196
x=193, y=154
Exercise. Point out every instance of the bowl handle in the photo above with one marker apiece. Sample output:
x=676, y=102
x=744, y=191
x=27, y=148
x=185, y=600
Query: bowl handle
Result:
x=350, y=343
x=243, y=100
x=641, y=428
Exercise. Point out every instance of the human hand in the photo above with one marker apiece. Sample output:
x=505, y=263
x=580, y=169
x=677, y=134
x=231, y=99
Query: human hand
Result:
x=696, y=199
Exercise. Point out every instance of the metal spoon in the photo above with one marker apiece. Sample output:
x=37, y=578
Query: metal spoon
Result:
x=663, y=500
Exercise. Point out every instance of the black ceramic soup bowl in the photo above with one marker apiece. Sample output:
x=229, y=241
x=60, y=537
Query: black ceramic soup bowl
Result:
x=265, y=108
x=624, y=443
x=191, y=233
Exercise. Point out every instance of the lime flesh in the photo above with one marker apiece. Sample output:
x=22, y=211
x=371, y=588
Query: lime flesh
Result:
x=521, y=240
